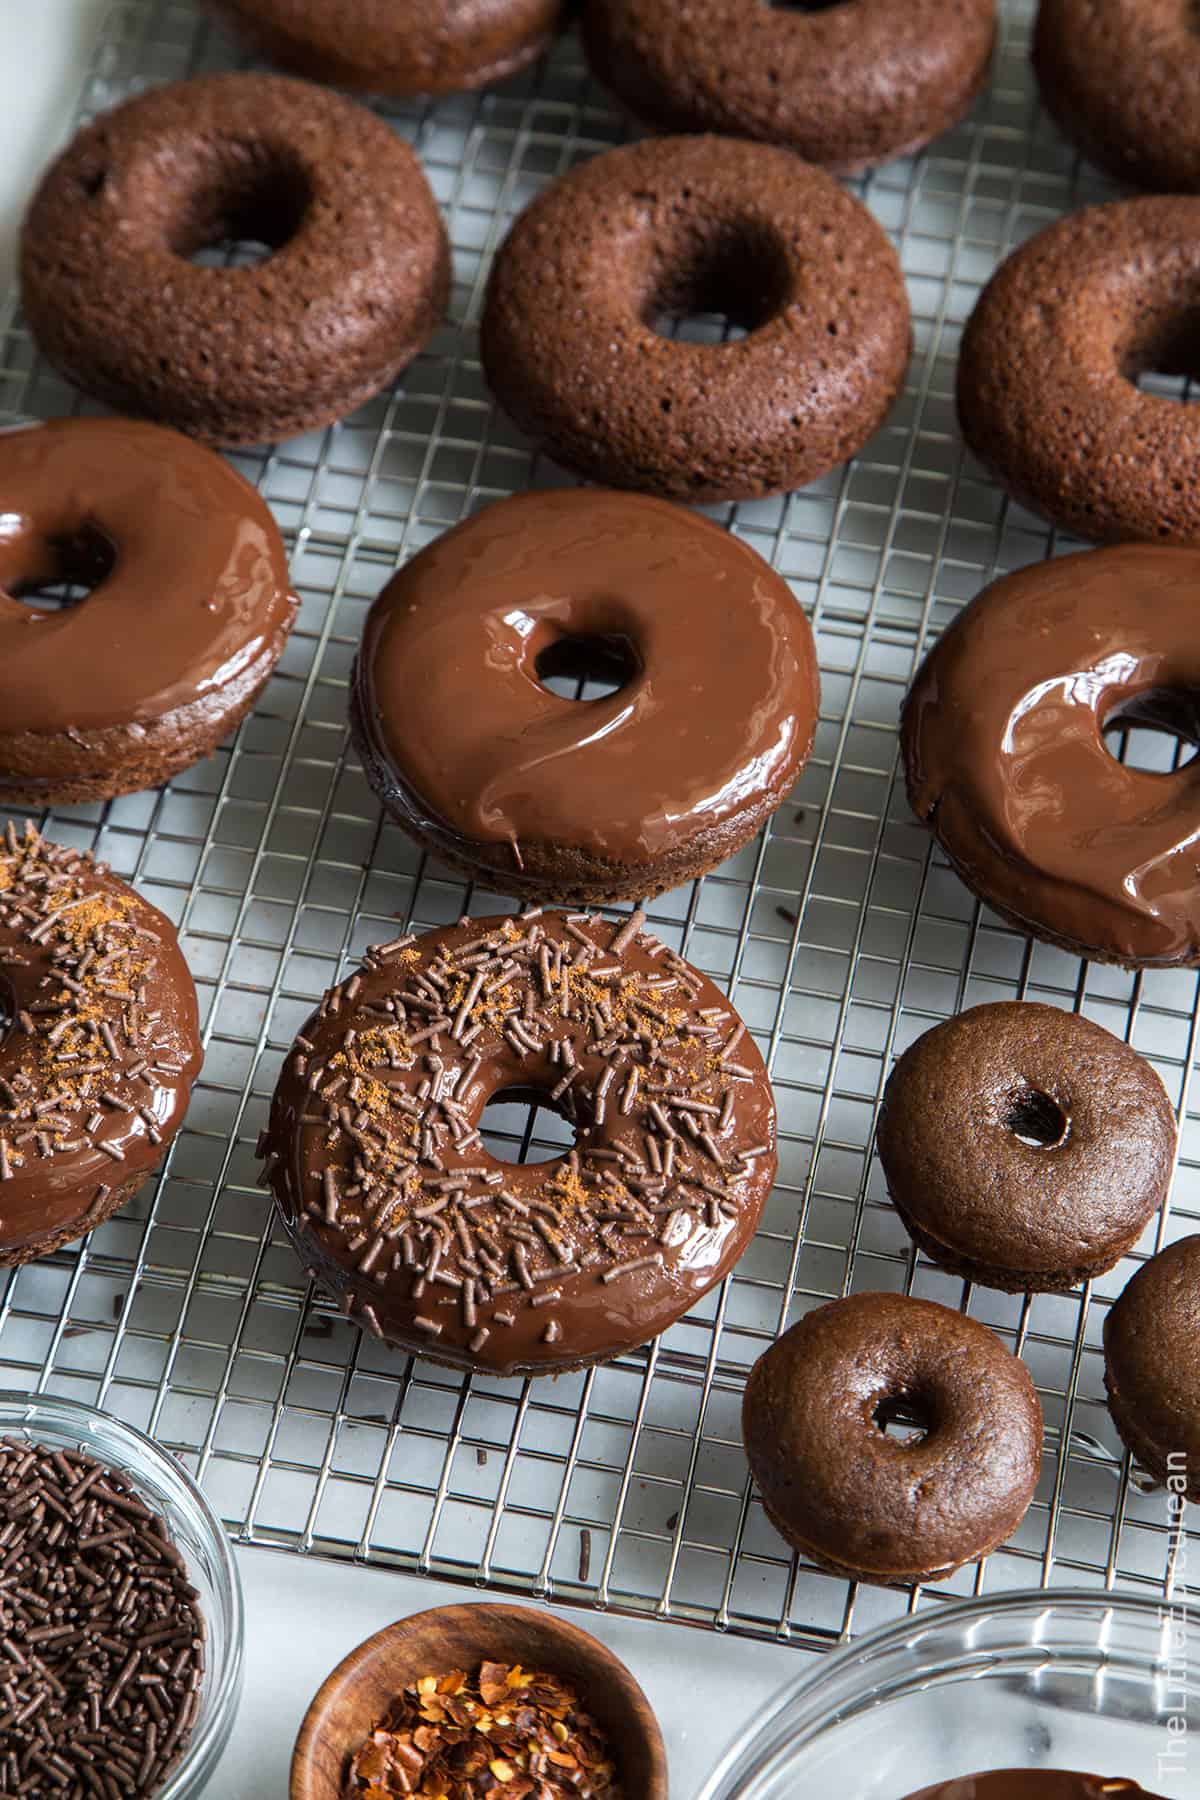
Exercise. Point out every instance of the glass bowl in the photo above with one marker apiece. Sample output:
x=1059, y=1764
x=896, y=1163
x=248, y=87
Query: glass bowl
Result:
x=1040, y=1679
x=197, y=1534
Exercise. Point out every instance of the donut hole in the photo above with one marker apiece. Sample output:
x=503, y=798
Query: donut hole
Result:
x=587, y=666
x=1164, y=359
x=1157, y=731
x=717, y=286
x=1036, y=1119
x=67, y=568
x=248, y=209
x=523, y=1125
x=906, y=1415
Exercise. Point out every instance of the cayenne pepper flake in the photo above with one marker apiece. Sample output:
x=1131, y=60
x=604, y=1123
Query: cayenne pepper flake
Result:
x=506, y=1734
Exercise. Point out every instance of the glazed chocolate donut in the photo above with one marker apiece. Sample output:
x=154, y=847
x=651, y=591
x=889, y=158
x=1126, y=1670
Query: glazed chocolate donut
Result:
x=1046, y=394
x=189, y=614
x=420, y=47
x=1025, y=1147
x=874, y=1507
x=1122, y=78
x=847, y=86
x=605, y=799
x=99, y=1043
x=356, y=282
x=697, y=224
x=1004, y=752
x=1152, y=1366
x=375, y=1160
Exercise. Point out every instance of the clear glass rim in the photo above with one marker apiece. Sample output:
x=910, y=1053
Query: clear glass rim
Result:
x=834, y=1663
x=22, y=1407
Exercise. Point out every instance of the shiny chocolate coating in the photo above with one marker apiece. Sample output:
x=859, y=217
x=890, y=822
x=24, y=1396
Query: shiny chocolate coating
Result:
x=197, y=591
x=1034, y=1784
x=375, y=1160
x=1006, y=760
x=471, y=752
x=98, y=1049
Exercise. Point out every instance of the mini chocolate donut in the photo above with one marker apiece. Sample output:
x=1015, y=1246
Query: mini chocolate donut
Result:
x=188, y=616
x=600, y=800
x=1152, y=1366
x=374, y=1155
x=879, y=1508
x=1025, y=1147
x=697, y=224
x=847, y=86
x=99, y=1043
x=420, y=47
x=1122, y=79
x=355, y=284
x=1002, y=734
x=1046, y=394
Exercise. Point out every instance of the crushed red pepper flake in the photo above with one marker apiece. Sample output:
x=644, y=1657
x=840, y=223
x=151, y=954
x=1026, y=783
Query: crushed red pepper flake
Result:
x=506, y=1733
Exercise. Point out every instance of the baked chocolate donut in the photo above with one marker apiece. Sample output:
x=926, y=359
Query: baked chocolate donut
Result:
x=1025, y=1147
x=846, y=86
x=99, y=1043
x=1046, y=394
x=374, y=1156
x=1002, y=734
x=879, y=1508
x=356, y=282
x=697, y=224
x=1122, y=78
x=188, y=616
x=378, y=47
x=1152, y=1366
x=599, y=800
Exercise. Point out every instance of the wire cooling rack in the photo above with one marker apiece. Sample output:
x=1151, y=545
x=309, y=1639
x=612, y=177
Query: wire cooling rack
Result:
x=840, y=935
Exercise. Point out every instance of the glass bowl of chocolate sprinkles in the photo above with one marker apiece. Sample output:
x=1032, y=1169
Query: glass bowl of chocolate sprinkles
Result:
x=121, y=1628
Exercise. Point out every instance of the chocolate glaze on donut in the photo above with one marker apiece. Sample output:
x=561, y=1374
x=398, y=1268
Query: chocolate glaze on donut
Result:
x=609, y=798
x=355, y=283
x=1034, y=1784
x=100, y=1046
x=1025, y=1147
x=375, y=1160
x=190, y=613
x=379, y=47
x=881, y=1508
x=1046, y=375
x=1006, y=761
x=846, y=86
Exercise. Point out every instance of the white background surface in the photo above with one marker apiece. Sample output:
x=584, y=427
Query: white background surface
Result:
x=303, y=1615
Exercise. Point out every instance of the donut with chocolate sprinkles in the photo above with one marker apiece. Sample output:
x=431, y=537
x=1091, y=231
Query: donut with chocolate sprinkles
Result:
x=374, y=1155
x=99, y=1043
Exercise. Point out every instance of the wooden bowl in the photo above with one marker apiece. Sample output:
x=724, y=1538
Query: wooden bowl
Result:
x=364, y=1686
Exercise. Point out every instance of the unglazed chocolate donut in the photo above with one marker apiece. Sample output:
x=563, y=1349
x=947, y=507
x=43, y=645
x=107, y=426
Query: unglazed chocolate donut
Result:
x=846, y=86
x=1152, y=1366
x=419, y=47
x=1003, y=744
x=188, y=617
x=597, y=800
x=697, y=224
x=1046, y=394
x=375, y=1160
x=1025, y=1147
x=99, y=1043
x=356, y=282
x=874, y=1507
x=1122, y=78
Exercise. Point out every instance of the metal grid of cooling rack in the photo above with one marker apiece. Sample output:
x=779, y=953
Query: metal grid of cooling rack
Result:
x=838, y=933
